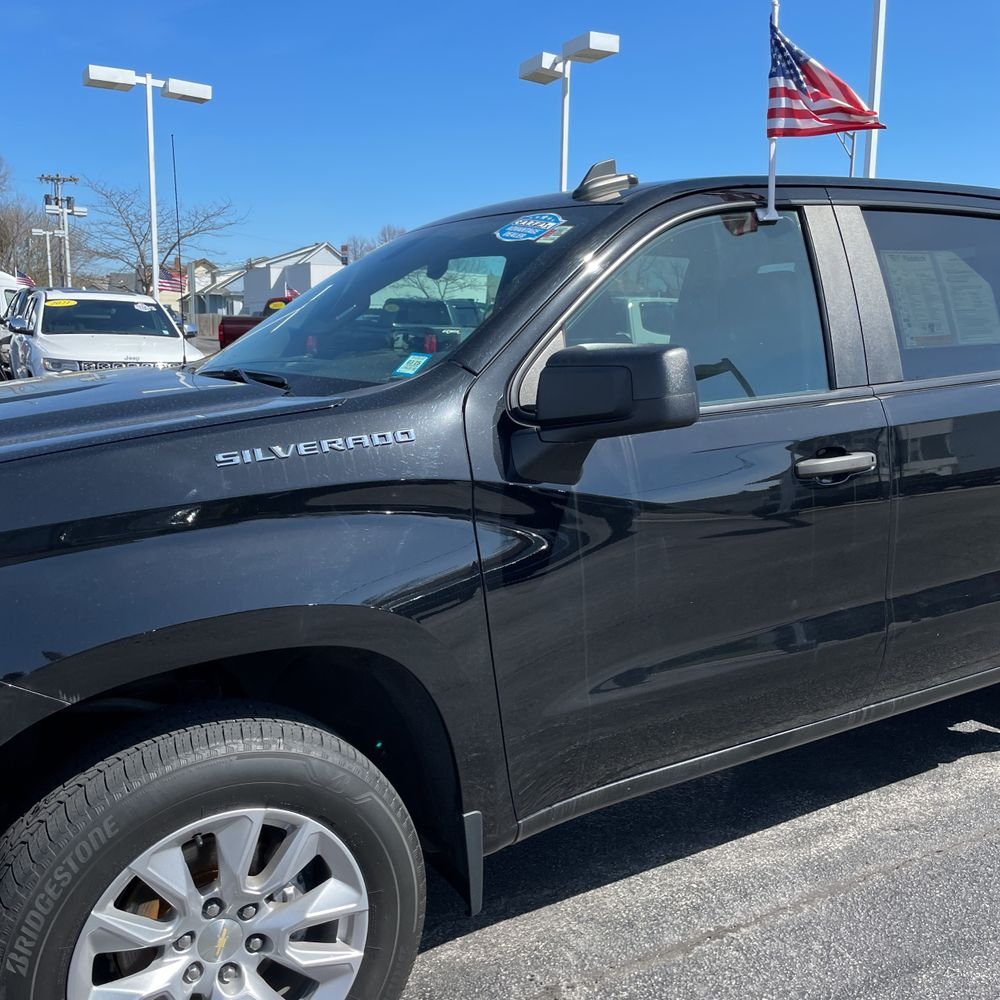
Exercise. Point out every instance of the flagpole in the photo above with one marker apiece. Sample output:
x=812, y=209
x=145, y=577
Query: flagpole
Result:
x=875, y=94
x=771, y=213
x=177, y=220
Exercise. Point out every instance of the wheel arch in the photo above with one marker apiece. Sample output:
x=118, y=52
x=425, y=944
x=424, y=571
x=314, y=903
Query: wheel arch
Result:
x=380, y=682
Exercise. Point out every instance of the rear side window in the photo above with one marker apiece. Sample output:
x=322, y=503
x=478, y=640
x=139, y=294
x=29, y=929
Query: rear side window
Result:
x=942, y=276
x=740, y=297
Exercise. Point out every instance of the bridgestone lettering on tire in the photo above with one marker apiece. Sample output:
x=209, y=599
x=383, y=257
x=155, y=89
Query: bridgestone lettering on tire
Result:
x=259, y=858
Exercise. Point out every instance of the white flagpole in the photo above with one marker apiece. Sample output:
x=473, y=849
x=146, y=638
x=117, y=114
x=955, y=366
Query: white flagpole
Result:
x=875, y=93
x=771, y=213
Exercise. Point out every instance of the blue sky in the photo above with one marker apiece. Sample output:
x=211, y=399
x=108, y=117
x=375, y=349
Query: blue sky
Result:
x=333, y=118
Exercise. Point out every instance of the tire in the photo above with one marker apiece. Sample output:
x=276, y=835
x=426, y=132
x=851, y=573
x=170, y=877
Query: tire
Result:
x=265, y=793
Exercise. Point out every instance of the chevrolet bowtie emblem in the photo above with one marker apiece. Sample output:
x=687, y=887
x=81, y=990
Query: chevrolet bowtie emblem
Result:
x=221, y=943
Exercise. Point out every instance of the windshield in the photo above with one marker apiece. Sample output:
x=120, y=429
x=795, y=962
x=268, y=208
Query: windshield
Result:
x=106, y=316
x=405, y=308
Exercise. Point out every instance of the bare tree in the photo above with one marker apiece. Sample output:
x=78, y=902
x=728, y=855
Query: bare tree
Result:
x=19, y=249
x=17, y=218
x=462, y=279
x=359, y=246
x=388, y=233
x=118, y=230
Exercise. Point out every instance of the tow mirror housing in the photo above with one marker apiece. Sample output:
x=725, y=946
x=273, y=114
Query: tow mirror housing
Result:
x=598, y=391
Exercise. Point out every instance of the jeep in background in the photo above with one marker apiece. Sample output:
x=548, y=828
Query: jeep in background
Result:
x=467, y=571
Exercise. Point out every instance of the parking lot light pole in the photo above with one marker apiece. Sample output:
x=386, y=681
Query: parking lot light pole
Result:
x=547, y=67
x=48, y=234
x=110, y=78
x=875, y=86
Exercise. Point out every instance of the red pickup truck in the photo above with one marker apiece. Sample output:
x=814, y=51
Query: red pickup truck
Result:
x=233, y=327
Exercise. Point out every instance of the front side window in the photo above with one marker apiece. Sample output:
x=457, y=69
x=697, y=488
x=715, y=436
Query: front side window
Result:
x=400, y=311
x=105, y=317
x=739, y=296
x=942, y=276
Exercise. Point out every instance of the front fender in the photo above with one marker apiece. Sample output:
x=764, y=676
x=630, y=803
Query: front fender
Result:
x=132, y=551
x=104, y=602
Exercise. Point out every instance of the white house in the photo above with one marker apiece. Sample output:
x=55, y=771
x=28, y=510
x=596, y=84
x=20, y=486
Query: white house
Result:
x=219, y=293
x=298, y=269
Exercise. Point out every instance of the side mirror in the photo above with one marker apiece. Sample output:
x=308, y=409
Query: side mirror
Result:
x=190, y=331
x=18, y=324
x=609, y=390
x=655, y=316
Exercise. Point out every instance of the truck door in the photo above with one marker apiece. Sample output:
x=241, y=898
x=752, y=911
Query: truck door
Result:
x=693, y=589
x=929, y=268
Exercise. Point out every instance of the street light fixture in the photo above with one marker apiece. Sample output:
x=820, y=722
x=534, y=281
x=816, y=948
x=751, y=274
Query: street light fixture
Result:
x=112, y=78
x=546, y=67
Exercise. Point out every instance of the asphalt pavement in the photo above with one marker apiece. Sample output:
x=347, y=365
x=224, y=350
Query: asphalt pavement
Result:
x=207, y=345
x=862, y=866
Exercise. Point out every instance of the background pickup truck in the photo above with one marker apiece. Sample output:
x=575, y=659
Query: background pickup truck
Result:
x=233, y=327
x=430, y=325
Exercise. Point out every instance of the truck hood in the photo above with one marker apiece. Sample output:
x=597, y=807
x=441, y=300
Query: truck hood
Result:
x=45, y=415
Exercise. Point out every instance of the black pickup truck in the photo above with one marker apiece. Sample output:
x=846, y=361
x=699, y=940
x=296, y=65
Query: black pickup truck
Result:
x=280, y=626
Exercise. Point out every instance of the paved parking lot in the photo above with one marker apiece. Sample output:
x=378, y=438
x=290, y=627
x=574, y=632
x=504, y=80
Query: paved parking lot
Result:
x=862, y=866
x=207, y=345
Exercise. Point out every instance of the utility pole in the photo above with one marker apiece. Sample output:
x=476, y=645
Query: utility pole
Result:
x=64, y=207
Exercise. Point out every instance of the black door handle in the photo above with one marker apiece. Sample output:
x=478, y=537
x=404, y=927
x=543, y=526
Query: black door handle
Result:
x=836, y=465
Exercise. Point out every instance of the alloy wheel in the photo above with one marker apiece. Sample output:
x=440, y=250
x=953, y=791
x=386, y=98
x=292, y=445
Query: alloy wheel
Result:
x=257, y=904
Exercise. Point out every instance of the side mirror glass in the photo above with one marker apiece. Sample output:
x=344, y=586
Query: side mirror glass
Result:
x=610, y=390
x=18, y=324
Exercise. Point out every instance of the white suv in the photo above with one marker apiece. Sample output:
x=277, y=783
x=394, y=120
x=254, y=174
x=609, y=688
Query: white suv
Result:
x=66, y=330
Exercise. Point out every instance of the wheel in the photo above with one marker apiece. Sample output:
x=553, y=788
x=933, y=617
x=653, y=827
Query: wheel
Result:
x=250, y=858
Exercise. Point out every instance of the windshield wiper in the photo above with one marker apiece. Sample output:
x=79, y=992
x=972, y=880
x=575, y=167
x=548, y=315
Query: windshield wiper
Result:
x=247, y=376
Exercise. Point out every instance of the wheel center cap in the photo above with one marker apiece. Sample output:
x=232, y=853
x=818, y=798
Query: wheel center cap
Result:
x=220, y=940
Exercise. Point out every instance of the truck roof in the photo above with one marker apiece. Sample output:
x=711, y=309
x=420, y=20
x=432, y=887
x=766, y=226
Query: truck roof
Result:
x=658, y=191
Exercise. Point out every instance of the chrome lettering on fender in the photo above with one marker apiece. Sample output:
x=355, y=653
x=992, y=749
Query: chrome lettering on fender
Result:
x=275, y=452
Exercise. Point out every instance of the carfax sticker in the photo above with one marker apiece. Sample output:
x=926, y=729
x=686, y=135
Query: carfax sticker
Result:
x=412, y=364
x=57, y=303
x=529, y=227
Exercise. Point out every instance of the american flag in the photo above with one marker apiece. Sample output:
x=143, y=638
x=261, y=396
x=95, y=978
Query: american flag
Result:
x=22, y=278
x=807, y=99
x=171, y=281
